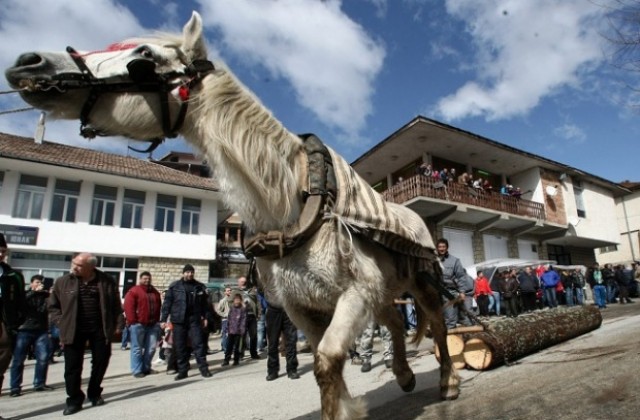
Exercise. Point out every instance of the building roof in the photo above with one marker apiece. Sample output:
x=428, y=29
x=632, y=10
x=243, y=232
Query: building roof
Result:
x=23, y=148
x=425, y=135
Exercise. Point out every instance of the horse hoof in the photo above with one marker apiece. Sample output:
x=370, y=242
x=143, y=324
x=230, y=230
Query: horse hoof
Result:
x=411, y=385
x=449, y=394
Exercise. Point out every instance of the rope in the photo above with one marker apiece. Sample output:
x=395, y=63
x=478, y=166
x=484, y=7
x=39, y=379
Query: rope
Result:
x=13, y=111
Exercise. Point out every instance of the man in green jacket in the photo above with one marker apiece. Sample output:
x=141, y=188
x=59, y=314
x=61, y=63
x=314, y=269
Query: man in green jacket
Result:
x=85, y=305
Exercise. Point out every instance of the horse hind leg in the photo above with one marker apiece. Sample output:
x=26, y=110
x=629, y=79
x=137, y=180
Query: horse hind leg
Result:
x=405, y=377
x=429, y=303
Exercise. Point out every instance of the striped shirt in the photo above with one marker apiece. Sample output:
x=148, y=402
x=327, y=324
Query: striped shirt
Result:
x=89, y=314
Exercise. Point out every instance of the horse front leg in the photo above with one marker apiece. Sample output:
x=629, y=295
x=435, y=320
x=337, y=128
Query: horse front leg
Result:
x=392, y=319
x=329, y=359
x=430, y=303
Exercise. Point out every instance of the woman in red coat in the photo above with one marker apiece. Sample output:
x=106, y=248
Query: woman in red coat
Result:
x=482, y=293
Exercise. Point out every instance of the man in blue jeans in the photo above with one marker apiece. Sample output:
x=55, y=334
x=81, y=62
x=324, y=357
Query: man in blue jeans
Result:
x=34, y=331
x=142, y=305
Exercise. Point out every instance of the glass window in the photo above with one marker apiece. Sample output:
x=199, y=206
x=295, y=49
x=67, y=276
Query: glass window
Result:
x=577, y=192
x=190, y=220
x=165, y=213
x=65, y=201
x=104, y=204
x=30, y=196
x=132, y=209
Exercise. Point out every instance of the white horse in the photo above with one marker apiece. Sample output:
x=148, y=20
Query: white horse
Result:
x=331, y=278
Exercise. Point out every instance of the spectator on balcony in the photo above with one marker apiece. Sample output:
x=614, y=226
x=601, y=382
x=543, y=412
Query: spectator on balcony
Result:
x=486, y=186
x=453, y=175
x=505, y=189
x=478, y=184
x=516, y=192
x=425, y=169
x=464, y=178
x=444, y=176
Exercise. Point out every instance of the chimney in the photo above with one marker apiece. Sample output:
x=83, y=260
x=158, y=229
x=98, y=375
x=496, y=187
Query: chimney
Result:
x=39, y=135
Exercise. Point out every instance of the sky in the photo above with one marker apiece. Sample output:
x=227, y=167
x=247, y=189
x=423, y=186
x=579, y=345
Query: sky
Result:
x=537, y=75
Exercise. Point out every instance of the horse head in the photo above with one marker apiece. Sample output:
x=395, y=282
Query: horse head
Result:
x=138, y=88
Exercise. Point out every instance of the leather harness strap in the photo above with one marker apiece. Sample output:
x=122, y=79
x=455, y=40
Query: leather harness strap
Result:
x=321, y=191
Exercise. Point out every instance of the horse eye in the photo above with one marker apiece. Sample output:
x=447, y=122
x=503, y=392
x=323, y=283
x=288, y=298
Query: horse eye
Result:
x=145, y=52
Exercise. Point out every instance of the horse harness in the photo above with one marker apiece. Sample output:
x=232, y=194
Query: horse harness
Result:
x=142, y=77
x=320, y=193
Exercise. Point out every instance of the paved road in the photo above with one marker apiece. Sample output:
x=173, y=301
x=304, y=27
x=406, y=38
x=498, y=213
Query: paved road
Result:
x=591, y=377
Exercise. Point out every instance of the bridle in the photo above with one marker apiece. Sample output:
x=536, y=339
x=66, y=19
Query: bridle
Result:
x=142, y=77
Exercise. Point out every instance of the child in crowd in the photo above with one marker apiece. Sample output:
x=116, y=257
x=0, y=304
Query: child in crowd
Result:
x=169, y=354
x=237, y=325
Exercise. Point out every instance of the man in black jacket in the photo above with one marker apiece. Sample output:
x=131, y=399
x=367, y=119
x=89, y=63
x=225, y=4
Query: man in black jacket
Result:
x=529, y=285
x=12, y=303
x=34, y=331
x=186, y=306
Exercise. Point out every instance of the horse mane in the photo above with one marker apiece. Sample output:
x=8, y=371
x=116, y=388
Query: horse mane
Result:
x=249, y=147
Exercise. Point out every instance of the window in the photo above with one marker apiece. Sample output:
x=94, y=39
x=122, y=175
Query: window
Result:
x=610, y=248
x=30, y=197
x=132, y=209
x=65, y=201
x=577, y=192
x=190, y=220
x=165, y=213
x=104, y=205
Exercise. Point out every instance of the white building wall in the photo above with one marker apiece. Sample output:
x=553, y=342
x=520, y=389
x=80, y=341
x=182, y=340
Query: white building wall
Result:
x=628, y=218
x=600, y=221
x=64, y=237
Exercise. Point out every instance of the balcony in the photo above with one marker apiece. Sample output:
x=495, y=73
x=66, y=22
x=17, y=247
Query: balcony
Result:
x=455, y=193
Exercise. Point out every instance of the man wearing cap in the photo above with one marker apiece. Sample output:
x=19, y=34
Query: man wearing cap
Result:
x=187, y=304
x=12, y=303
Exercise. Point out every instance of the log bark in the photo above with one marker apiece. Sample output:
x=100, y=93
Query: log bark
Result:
x=512, y=338
x=455, y=344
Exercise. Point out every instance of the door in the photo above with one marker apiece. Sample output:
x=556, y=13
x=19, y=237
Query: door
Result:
x=495, y=246
x=460, y=244
x=527, y=250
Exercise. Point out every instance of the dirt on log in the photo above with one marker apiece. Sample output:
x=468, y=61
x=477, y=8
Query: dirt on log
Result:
x=512, y=338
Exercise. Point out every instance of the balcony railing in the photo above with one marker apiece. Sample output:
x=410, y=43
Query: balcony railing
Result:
x=422, y=186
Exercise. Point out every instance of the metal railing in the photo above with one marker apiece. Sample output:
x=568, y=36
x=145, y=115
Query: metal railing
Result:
x=423, y=186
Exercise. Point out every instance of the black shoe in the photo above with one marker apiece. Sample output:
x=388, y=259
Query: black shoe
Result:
x=43, y=388
x=366, y=367
x=180, y=376
x=97, y=402
x=71, y=409
x=388, y=363
x=293, y=375
x=206, y=373
x=225, y=363
x=15, y=393
x=139, y=375
x=272, y=376
x=255, y=357
x=236, y=363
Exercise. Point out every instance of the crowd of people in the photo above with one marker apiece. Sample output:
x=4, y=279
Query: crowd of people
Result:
x=83, y=311
x=478, y=184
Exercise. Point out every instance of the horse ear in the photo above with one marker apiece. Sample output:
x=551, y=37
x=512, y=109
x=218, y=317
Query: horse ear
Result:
x=193, y=43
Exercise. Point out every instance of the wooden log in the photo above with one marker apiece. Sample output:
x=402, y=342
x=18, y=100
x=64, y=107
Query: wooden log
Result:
x=512, y=338
x=455, y=344
x=464, y=330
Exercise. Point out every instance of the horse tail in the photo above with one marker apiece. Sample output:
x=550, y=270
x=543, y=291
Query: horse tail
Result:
x=428, y=302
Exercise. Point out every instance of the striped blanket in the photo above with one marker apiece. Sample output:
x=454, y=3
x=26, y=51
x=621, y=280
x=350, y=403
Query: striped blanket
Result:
x=365, y=212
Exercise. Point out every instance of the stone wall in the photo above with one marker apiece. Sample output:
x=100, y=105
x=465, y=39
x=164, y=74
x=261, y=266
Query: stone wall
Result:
x=166, y=270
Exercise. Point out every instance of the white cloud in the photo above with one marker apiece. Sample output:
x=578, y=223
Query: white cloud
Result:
x=570, y=132
x=526, y=50
x=42, y=25
x=330, y=61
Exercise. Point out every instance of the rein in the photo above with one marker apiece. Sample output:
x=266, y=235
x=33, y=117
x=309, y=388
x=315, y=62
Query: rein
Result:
x=142, y=77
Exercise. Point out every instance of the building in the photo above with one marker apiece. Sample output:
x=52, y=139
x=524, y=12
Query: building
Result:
x=135, y=215
x=628, y=217
x=561, y=213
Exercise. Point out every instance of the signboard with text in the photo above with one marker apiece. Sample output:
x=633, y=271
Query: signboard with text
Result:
x=20, y=235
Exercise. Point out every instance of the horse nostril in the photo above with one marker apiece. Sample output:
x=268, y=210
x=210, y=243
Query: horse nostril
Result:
x=29, y=59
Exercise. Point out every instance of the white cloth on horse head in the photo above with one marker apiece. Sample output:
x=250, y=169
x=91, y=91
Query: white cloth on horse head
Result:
x=392, y=225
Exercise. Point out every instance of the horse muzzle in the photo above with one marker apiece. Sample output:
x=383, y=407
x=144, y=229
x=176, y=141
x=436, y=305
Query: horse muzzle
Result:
x=34, y=72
